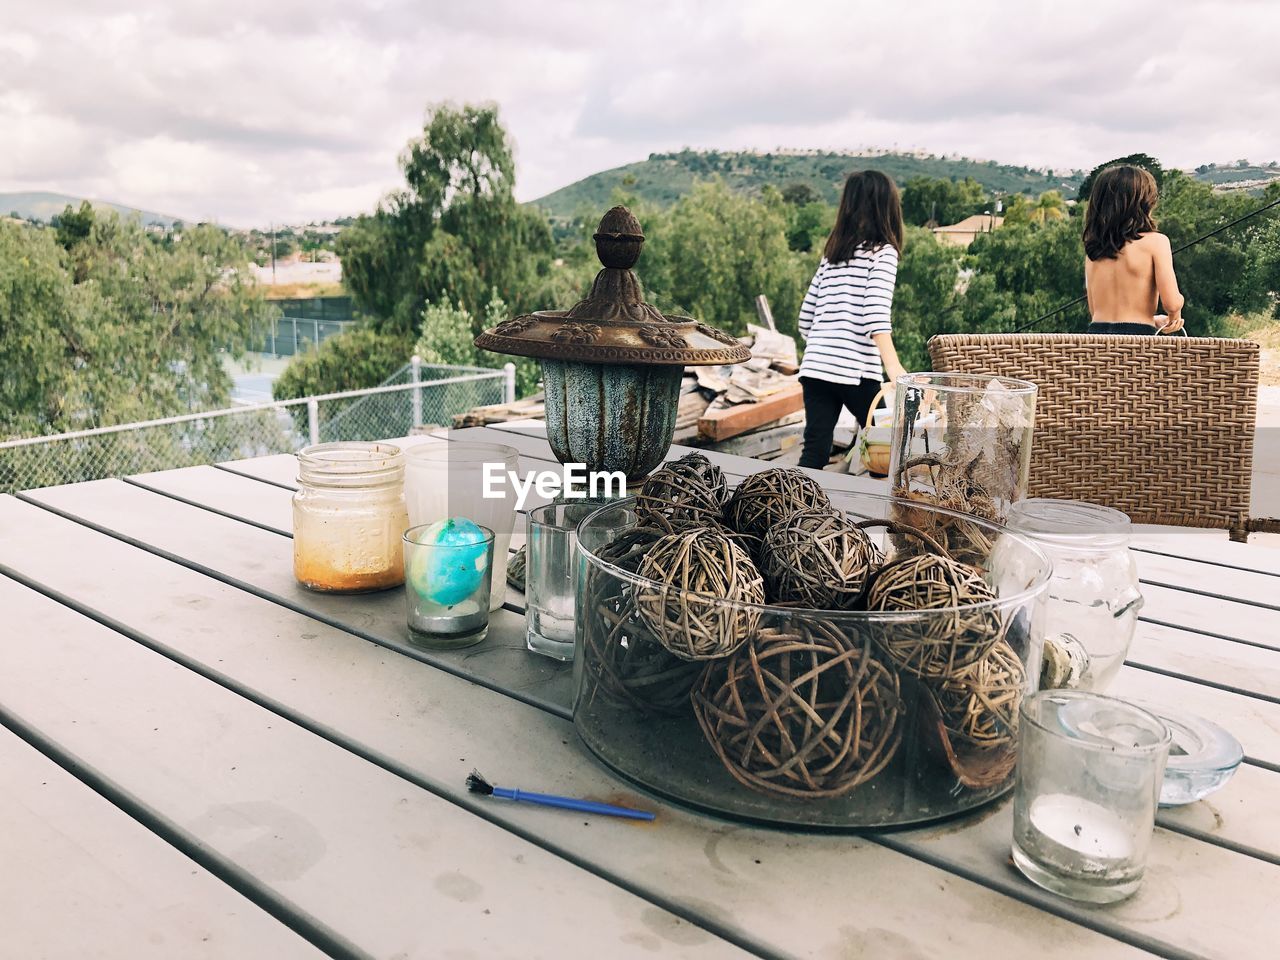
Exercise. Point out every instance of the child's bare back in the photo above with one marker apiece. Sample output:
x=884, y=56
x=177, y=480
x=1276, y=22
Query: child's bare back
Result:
x=1127, y=289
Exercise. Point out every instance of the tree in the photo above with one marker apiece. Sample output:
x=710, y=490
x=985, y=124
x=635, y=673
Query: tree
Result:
x=1146, y=161
x=100, y=324
x=716, y=250
x=453, y=232
x=800, y=194
x=929, y=200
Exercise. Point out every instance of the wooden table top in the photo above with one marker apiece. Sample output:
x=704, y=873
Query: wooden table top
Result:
x=202, y=759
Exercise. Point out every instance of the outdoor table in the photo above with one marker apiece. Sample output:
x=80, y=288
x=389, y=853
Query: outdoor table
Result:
x=202, y=759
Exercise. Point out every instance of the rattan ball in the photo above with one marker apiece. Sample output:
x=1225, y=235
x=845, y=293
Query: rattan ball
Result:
x=687, y=492
x=961, y=632
x=817, y=558
x=516, y=568
x=979, y=705
x=803, y=711
x=764, y=498
x=624, y=665
x=693, y=609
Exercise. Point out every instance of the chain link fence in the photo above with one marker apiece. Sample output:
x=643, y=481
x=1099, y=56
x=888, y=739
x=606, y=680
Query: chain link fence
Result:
x=416, y=396
x=289, y=336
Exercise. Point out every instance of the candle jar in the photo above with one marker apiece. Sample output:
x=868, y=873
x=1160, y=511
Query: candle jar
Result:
x=1093, y=595
x=448, y=570
x=1090, y=770
x=551, y=577
x=349, y=517
x=472, y=480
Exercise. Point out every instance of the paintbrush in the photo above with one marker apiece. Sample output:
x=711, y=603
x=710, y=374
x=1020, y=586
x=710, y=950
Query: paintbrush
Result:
x=478, y=784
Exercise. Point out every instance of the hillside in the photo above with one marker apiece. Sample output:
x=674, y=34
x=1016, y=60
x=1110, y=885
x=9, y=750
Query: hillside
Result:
x=45, y=206
x=665, y=177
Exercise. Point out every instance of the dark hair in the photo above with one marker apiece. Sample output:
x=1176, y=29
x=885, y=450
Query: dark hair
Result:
x=870, y=215
x=1119, y=210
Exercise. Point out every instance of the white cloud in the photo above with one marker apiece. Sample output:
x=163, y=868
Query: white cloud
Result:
x=294, y=110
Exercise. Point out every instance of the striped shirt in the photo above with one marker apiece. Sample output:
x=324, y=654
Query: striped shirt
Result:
x=847, y=303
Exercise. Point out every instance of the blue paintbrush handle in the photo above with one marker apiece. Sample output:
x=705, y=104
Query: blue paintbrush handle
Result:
x=569, y=803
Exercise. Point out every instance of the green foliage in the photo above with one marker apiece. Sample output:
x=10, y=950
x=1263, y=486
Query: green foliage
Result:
x=941, y=202
x=808, y=226
x=361, y=357
x=447, y=337
x=716, y=250
x=454, y=230
x=1147, y=162
x=101, y=324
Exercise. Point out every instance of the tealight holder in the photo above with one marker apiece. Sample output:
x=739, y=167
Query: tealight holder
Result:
x=551, y=577
x=1089, y=775
x=448, y=577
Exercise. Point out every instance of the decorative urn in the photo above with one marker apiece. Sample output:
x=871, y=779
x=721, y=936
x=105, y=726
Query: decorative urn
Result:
x=612, y=364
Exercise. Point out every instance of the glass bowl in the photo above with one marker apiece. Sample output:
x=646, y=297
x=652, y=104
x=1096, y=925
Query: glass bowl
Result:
x=822, y=719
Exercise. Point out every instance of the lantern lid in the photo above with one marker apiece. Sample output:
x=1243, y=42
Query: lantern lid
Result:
x=613, y=324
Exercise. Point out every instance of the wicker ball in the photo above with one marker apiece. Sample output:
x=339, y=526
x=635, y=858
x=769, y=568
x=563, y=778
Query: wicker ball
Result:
x=941, y=645
x=804, y=711
x=817, y=558
x=980, y=704
x=516, y=568
x=764, y=498
x=687, y=492
x=624, y=665
x=696, y=572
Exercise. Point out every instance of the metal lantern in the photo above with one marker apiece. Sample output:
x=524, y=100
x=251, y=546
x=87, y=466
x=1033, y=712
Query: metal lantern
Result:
x=612, y=364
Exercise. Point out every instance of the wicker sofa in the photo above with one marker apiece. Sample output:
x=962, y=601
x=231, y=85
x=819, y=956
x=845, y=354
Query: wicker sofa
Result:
x=1159, y=427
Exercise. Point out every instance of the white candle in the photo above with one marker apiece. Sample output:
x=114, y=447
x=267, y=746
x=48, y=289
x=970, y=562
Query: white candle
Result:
x=1080, y=836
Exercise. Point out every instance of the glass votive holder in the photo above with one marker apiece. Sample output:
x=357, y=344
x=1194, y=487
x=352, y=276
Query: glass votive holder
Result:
x=551, y=577
x=448, y=575
x=463, y=479
x=1090, y=769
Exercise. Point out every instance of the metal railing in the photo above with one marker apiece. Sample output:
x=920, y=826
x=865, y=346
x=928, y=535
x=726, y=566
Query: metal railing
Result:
x=416, y=396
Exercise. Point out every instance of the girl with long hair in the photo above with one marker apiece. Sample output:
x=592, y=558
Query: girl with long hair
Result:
x=1128, y=265
x=844, y=319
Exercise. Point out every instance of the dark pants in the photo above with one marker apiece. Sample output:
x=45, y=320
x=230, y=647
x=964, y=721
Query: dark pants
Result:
x=1123, y=329
x=822, y=403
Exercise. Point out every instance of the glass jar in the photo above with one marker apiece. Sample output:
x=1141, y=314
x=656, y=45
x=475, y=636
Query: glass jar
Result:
x=1093, y=595
x=818, y=718
x=469, y=480
x=349, y=517
x=961, y=442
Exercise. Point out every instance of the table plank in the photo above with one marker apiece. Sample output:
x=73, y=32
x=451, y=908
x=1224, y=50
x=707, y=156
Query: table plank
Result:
x=379, y=865
x=75, y=863
x=1207, y=547
x=255, y=559
x=1212, y=617
x=433, y=728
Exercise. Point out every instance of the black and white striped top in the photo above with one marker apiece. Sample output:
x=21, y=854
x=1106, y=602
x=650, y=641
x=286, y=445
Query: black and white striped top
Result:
x=847, y=303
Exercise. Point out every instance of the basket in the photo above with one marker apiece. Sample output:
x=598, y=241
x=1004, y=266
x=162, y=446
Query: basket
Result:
x=874, y=456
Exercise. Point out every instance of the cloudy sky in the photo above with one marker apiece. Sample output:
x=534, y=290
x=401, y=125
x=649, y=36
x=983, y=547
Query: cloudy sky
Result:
x=248, y=111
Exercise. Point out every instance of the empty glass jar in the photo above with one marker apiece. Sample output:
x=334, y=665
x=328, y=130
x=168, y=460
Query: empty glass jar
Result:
x=349, y=517
x=1093, y=594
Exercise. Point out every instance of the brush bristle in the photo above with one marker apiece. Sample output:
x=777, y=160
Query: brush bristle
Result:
x=478, y=784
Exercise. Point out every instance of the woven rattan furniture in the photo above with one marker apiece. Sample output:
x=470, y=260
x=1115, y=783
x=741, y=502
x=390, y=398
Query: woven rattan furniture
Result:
x=1159, y=427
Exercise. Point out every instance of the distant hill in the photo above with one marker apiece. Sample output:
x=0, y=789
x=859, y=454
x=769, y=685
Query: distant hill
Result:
x=45, y=206
x=1238, y=176
x=665, y=177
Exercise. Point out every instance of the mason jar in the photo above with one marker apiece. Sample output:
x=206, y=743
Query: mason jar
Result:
x=349, y=517
x=1093, y=594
